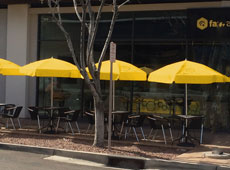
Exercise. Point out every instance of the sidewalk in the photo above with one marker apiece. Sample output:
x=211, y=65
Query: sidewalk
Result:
x=219, y=141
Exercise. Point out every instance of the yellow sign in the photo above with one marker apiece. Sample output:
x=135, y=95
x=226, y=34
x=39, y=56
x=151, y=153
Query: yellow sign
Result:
x=159, y=106
x=203, y=23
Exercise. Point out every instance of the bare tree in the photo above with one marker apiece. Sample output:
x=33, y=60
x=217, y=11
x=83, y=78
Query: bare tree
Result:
x=86, y=58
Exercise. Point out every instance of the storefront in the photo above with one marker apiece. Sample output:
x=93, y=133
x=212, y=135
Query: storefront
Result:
x=149, y=36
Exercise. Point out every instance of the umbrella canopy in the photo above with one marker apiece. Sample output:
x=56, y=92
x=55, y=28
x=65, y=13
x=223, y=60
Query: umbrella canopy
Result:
x=121, y=71
x=187, y=72
x=51, y=68
x=9, y=68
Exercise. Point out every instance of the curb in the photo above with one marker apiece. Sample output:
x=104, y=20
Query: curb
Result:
x=113, y=160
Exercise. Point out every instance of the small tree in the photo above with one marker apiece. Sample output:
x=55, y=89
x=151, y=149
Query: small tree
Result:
x=86, y=58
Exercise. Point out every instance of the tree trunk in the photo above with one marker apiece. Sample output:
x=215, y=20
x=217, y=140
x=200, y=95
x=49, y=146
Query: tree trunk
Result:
x=99, y=122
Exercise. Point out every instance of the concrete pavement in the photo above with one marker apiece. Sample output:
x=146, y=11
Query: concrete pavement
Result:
x=116, y=161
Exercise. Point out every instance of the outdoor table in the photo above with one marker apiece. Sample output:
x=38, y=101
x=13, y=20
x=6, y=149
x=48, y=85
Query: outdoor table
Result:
x=186, y=138
x=114, y=127
x=50, y=125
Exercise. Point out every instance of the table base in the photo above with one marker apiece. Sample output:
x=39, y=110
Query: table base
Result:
x=186, y=144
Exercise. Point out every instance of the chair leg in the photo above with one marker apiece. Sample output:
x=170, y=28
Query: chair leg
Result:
x=88, y=128
x=170, y=131
x=163, y=131
x=12, y=122
x=201, y=134
x=71, y=128
x=142, y=133
x=182, y=140
x=19, y=123
x=155, y=134
x=126, y=133
x=77, y=127
x=122, y=126
x=66, y=127
x=150, y=133
x=39, y=126
x=134, y=130
x=7, y=123
x=58, y=121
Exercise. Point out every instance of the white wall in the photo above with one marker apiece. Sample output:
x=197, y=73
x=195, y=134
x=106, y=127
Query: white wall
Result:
x=17, y=50
x=3, y=32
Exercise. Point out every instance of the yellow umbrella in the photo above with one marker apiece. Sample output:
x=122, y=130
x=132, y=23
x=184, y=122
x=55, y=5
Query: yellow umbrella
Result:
x=121, y=71
x=51, y=68
x=187, y=72
x=9, y=68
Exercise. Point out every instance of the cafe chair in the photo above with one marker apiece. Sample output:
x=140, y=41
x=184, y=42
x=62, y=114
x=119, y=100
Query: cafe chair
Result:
x=91, y=120
x=6, y=107
x=68, y=116
x=195, y=124
x=133, y=122
x=13, y=113
x=159, y=122
x=38, y=114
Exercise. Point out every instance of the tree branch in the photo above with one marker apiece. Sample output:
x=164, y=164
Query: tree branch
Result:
x=123, y=3
x=115, y=10
x=59, y=23
x=76, y=10
x=91, y=63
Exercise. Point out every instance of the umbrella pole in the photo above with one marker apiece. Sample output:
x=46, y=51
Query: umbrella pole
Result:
x=52, y=92
x=186, y=110
x=113, y=95
x=110, y=104
x=186, y=99
x=51, y=100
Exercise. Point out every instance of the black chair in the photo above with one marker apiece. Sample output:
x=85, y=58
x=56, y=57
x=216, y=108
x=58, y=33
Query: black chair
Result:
x=38, y=114
x=119, y=121
x=133, y=122
x=159, y=122
x=91, y=120
x=68, y=116
x=6, y=107
x=13, y=113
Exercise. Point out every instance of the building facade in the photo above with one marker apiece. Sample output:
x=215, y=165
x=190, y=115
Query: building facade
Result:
x=148, y=35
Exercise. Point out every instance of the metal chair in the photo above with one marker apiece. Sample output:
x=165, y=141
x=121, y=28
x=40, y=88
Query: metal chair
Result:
x=68, y=116
x=38, y=114
x=91, y=120
x=13, y=113
x=133, y=122
x=158, y=122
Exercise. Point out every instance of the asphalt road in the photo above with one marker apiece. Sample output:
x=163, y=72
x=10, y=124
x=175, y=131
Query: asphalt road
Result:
x=14, y=160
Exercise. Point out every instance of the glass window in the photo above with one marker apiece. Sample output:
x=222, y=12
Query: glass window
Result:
x=149, y=40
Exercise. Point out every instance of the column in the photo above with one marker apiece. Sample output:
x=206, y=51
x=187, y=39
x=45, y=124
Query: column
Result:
x=17, y=49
